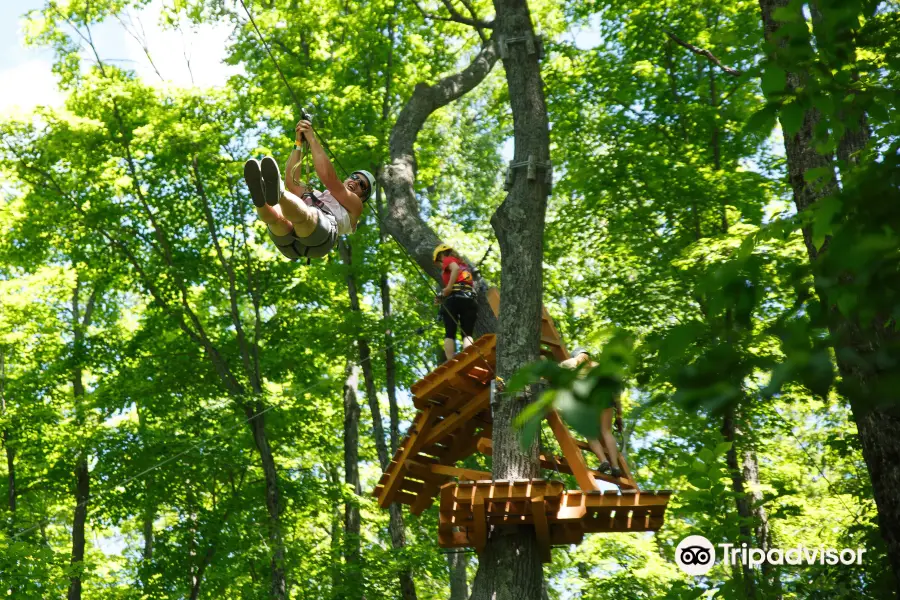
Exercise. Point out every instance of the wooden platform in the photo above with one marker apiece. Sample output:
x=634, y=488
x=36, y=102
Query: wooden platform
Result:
x=454, y=422
x=455, y=413
x=470, y=511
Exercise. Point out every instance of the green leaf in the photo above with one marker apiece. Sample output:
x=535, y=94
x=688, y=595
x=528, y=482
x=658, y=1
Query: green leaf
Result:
x=774, y=80
x=699, y=481
x=722, y=449
x=787, y=14
x=792, y=114
x=762, y=121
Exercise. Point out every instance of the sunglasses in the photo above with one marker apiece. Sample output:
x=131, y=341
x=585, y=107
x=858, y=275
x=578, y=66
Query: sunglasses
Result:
x=359, y=181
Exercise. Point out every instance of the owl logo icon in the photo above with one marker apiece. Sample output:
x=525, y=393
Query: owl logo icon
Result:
x=695, y=555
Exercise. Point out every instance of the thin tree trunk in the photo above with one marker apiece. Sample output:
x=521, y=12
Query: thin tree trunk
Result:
x=273, y=499
x=82, y=493
x=395, y=525
x=384, y=284
x=877, y=423
x=351, y=477
x=771, y=577
x=390, y=365
x=80, y=324
x=459, y=588
x=201, y=569
x=149, y=512
x=730, y=433
x=10, y=451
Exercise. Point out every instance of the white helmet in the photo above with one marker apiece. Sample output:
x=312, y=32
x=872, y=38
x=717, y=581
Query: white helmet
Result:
x=369, y=178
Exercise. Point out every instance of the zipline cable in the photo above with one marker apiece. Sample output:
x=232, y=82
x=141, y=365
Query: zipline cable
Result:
x=346, y=173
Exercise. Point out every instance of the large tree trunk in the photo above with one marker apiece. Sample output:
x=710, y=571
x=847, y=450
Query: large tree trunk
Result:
x=404, y=221
x=877, y=424
x=351, y=477
x=510, y=565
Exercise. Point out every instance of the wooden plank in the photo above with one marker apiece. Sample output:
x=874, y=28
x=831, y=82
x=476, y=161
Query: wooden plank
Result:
x=512, y=491
x=475, y=406
x=493, y=298
x=460, y=472
x=419, y=431
x=541, y=527
x=401, y=496
x=623, y=464
x=459, y=449
x=479, y=535
x=585, y=478
x=483, y=351
x=411, y=485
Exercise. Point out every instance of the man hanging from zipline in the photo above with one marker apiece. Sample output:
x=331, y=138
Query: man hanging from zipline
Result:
x=305, y=223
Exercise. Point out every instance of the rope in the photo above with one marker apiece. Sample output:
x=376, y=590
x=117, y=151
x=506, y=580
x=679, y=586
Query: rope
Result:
x=346, y=173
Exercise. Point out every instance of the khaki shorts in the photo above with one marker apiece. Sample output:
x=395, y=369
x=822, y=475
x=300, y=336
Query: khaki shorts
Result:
x=316, y=245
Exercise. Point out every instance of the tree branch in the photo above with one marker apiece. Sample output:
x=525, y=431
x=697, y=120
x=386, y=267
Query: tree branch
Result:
x=455, y=17
x=229, y=271
x=701, y=52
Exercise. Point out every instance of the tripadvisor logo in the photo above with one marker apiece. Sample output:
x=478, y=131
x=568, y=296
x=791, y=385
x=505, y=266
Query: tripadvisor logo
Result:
x=696, y=555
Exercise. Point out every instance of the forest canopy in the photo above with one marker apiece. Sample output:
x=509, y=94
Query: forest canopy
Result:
x=705, y=197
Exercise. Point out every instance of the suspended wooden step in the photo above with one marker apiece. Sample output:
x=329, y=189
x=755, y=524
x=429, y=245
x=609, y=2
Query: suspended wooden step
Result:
x=473, y=510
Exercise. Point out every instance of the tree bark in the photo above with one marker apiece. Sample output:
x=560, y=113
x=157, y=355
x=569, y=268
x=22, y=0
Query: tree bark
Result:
x=877, y=424
x=771, y=577
x=510, y=566
x=10, y=451
x=730, y=433
x=80, y=325
x=459, y=588
x=351, y=477
x=395, y=525
x=404, y=221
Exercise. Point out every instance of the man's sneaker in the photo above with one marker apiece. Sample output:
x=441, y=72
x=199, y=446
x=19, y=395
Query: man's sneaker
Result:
x=253, y=177
x=273, y=187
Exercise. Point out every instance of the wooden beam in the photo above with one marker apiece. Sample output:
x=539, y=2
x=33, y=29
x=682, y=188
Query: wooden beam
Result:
x=415, y=441
x=460, y=473
x=493, y=298
x=466, y=412
x=479, y=538
x=401, y=496
x=541, y=527
x=572, y=453
x=482, y=351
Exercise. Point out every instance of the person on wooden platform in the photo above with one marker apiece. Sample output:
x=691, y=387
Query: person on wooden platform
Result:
x=458, y=306
x=306, y=223
x=608, y=455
